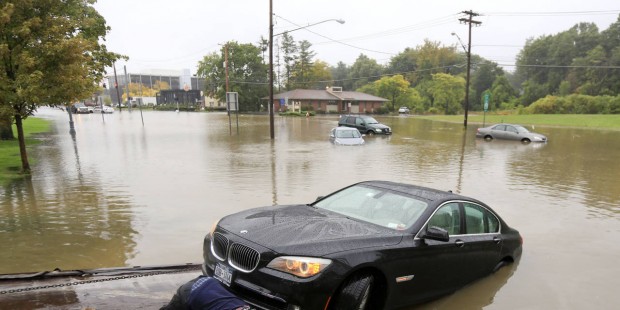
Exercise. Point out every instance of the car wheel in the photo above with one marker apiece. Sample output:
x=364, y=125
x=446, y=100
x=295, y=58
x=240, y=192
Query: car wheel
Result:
x=370, y=133
x=488, y=137
x=355, y=293
x=501, y=264
x=525, y=140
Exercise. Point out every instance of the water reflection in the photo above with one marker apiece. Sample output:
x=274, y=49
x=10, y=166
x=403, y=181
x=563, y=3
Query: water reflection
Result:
x=119, y=193
x=65, y=219
x=476, y=295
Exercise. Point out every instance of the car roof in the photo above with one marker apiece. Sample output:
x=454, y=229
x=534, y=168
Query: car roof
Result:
x=354, y=115
x=425, y=193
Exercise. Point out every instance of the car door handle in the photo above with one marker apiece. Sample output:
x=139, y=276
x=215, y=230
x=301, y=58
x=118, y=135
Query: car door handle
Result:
x=497, y=240
x=459, y=243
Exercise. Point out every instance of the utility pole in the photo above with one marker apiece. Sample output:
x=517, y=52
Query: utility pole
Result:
x=468, y=21
x=118, y=95
x=226, y=64
x=127, y=88
x=270, y=105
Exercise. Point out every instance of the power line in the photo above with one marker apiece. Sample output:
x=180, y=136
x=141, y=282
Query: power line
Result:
x=558, y=13
x=336, y=41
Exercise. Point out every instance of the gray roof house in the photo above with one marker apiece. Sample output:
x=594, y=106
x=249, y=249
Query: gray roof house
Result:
x=330, y=100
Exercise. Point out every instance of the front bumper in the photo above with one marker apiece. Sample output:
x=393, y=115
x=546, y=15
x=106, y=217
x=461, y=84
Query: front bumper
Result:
x=266, y=288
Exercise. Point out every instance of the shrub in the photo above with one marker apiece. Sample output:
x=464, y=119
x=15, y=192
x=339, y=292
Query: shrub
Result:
x=382, y=110
x=433, y=110
x=575, y=104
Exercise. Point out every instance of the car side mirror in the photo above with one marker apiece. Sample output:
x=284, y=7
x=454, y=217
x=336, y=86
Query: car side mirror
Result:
x=435, y=233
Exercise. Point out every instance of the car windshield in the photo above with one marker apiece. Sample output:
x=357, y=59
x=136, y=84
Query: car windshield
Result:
x=521, y=129
x=370, y=120
x=375, y=205
x=348, y=134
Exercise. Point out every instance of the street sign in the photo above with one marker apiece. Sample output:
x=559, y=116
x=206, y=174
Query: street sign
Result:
x=232, y=101
x=486, y=101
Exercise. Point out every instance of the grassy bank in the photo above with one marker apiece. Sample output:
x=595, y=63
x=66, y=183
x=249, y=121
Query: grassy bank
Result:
x=597, y=121
x=10, y=160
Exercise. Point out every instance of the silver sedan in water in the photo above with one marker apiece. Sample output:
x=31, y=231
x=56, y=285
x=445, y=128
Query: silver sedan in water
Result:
x=346, y=136
x=509, y=132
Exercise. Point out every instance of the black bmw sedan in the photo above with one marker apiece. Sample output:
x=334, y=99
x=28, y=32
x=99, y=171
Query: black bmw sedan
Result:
x=371, y=245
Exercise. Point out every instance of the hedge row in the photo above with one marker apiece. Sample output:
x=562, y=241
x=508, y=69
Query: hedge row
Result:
x=575, y=104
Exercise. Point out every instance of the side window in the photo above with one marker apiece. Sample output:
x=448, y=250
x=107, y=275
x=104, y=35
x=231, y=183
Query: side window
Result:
x=358, y=121
x=479, y=220
x=447, y=217
x=500, y=127
x=511, y=129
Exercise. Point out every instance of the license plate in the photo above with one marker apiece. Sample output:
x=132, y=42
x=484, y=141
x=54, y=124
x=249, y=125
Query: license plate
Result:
x=223, y=273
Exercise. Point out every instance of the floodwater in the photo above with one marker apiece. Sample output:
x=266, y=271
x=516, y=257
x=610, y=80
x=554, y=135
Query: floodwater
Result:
x=143, y=189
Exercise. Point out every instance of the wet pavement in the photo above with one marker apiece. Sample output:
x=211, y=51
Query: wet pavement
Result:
x=120, y=193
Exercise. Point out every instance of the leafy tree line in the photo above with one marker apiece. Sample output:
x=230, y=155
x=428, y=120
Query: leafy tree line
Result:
x=51, y=53
x=428, y=78
x=581, y=60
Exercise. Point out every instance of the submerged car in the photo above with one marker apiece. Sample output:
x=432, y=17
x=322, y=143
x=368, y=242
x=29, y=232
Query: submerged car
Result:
x=365, y=124
x=371, y=245
x=104, y=109
x=346, y=136
x=403, y=110
x=509, y=132
x=79, y=108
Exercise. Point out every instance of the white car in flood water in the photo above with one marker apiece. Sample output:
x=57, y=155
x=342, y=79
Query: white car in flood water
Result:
x=346, y=136
x=104, y=109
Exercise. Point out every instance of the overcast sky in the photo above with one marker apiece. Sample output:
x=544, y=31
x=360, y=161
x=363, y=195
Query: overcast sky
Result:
x=175, y=35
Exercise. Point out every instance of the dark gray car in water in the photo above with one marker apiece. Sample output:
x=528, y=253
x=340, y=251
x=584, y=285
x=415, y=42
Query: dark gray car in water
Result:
x=365, y=124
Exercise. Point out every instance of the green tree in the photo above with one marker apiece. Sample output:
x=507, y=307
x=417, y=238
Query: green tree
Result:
x=433, y=58
x=263, y=44
x=501, y=93
x=393, y=88
x=405, y=64
x=340, y=74
x=212, y=69
x=370, y=88
x=420, y=63
x=364, y=71
x=547, y=61
x=532, y=91
x=289, y=50
x=51, y=53
x=319, y=75
x=247, y=74
x=300, y=76
x=448, y=92
x=411, y=99
x=482, y=79
x=591, y=77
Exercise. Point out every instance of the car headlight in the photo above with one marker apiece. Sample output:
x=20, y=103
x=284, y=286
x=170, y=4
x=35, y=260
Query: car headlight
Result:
x=538, y=138
x=378, y=130
x=303, y=267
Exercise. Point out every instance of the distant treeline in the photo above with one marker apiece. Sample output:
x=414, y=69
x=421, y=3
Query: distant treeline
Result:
x=575, y=104
x=580, y=60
